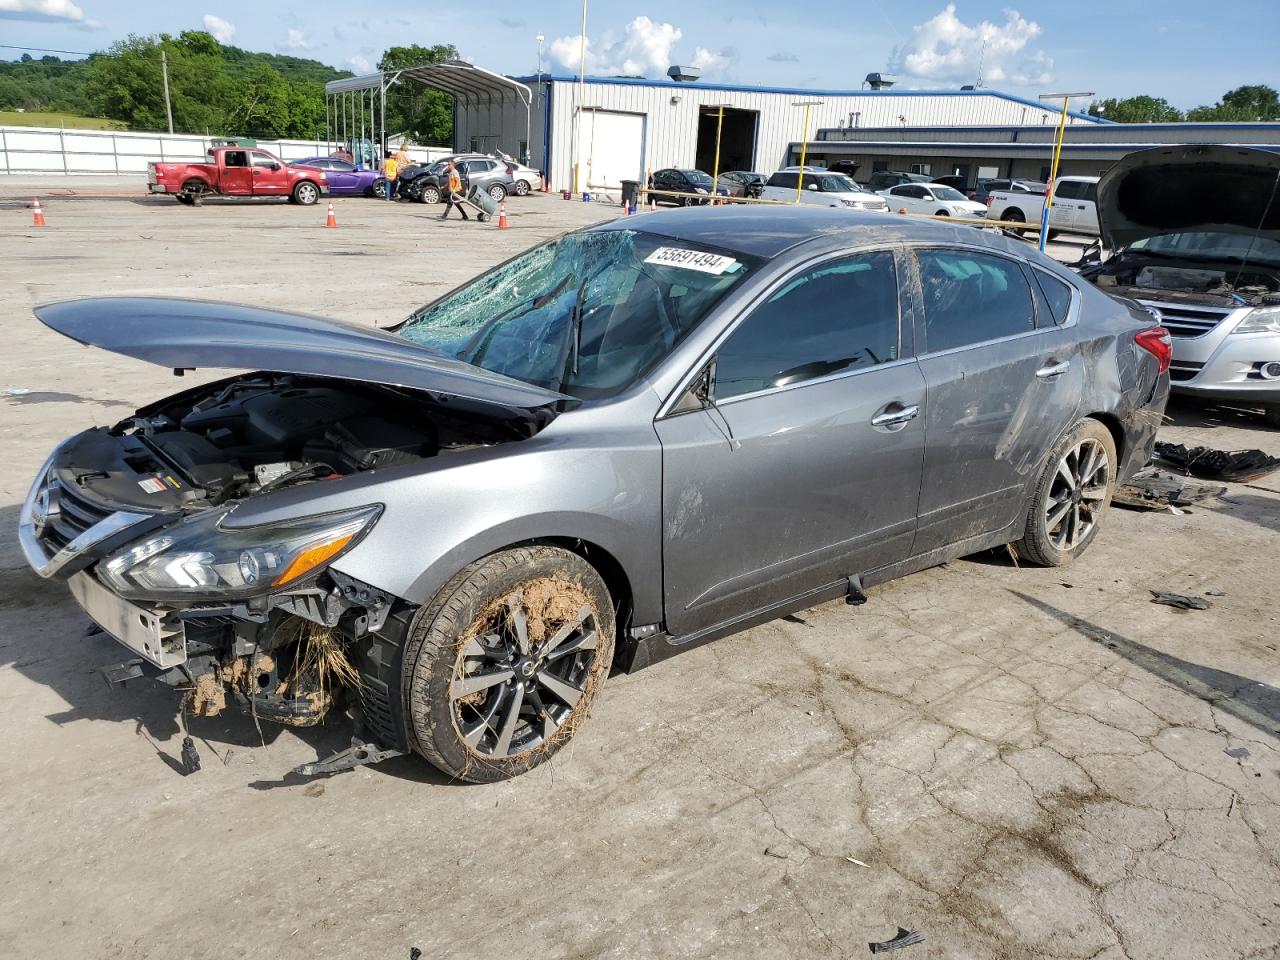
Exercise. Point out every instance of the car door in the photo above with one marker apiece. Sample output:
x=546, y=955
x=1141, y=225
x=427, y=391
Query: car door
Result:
x=236, y=176
x=270, y=177
x=1002, y=390
x=342, y=176
x=1062, y=215
x=803, y=468
x=1086, y=218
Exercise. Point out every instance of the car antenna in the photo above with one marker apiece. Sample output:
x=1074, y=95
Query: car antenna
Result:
x=1235, y=281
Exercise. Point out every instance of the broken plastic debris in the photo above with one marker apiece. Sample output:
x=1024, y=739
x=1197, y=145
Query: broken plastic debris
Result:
x=1237, y=465
x=857, y=861
x=16, y=392
x=1179, y=600
x=770, y=852
x=905, y=938
x=1154, y=489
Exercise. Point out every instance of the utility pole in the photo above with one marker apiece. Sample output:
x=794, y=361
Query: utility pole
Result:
x=1057, y=155
x=164, y=72
x=804, y=142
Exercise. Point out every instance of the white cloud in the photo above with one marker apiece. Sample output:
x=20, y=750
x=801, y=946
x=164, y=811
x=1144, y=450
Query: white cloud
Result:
x=946, y=49
x=296, y=40
x=222, y=30
x=358, y=63
x=56, y=10
x=644, y=50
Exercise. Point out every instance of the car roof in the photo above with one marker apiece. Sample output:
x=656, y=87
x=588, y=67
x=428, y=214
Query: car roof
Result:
x=771, y=231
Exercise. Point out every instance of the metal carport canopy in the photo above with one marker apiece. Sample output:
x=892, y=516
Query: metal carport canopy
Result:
x=465, y=82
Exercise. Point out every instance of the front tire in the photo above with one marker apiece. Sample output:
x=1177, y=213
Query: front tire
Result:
x=1271, y=416
x=1071, y=496
x=504, y=665
x=429, y=194
x=306, y=193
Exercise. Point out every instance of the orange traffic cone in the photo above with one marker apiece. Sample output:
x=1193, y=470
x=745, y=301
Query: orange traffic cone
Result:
x=903, y=211
x=502, y=216
x=331, y=220
x=37, y=215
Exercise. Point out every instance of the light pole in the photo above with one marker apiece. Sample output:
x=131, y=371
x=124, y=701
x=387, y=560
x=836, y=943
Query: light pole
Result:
x=1057, y=155
x=164, y=73
x=540, y=38
x=715, y=169
x=804, y=141
x=582, y=79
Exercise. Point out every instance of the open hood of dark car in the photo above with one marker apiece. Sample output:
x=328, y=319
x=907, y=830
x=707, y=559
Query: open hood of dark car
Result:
x=1214, y=189
x=195, y=334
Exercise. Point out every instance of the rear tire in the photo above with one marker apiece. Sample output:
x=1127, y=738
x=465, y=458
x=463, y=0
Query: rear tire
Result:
x=505, y=663
x=1071, y=497
x=522, y=188
x=498, y=192
x=1013, y=215
x=1271, y=416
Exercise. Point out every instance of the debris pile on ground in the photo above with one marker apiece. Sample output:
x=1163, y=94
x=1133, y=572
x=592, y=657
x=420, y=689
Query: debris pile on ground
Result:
x=1179, y=600
x=1232, y=465
x=1154, y=489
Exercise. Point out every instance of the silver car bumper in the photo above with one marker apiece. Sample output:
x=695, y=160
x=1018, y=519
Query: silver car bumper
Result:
x=1210, y=360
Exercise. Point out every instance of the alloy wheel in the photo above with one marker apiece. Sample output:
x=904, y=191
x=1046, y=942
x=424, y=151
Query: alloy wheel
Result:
x=518, y=678
x=1077, y=494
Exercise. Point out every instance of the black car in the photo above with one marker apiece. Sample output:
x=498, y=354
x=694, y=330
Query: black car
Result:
x=682, y=181
x=742, y=183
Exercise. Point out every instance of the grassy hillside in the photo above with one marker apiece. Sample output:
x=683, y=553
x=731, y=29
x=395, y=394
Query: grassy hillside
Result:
x=11, y=118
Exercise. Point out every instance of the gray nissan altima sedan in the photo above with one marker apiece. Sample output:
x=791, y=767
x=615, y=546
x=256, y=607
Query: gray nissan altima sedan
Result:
x=616, y=446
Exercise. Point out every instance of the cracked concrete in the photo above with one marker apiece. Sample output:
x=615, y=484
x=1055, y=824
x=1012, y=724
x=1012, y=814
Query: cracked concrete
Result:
x=1021, y=763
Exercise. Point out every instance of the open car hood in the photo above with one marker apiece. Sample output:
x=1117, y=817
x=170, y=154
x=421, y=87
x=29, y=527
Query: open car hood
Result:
x=194, y=334
x=1215, y=189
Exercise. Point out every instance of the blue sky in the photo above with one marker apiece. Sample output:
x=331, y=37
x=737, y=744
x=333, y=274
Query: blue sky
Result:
x=1183, y=50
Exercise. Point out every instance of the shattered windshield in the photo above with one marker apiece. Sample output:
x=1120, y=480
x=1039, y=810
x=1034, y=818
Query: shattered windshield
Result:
x=585, y=314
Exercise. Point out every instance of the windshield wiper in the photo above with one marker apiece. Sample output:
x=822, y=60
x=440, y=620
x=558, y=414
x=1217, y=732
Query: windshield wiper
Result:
x=575, y=324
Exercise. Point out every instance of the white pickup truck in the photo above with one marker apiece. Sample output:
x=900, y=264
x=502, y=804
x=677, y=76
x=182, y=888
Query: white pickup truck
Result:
x=1074, y=210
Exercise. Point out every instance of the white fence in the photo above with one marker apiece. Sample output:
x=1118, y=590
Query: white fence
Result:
x=57, y=150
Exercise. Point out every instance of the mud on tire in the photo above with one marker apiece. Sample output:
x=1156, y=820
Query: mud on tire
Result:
x=505, y=664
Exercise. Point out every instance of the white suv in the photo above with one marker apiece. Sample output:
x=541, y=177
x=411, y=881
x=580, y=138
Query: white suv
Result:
x=823, y=190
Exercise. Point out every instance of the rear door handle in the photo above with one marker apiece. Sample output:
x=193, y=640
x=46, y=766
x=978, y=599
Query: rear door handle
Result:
x=1053, y=370
x=894, y=414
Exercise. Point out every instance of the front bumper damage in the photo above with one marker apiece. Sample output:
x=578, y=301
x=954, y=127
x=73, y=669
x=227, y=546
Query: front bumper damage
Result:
x=291, y=657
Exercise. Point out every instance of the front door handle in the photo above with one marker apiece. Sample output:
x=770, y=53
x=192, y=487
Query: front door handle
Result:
x=895, y=414
x=1053, y=370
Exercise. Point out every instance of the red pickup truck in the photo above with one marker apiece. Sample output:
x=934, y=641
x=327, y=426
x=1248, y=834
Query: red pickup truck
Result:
x=237, y=172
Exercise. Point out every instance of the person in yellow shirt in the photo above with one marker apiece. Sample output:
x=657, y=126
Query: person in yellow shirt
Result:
x=402, y=157
x=390, y=168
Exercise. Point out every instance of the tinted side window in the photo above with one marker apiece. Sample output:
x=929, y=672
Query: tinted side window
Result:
x=971, y=297
x=1067, y=190
x=1056, y=293
x=842, y=315
x=783, y=180
x=1090, y=192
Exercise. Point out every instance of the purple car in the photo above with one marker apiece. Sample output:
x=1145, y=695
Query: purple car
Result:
x=345, y=178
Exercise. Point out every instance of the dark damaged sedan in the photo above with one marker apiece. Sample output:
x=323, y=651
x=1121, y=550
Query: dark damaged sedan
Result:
x=614, y=447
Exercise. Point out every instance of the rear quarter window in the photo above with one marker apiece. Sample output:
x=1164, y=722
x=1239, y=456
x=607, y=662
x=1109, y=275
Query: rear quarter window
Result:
x=1057, y=295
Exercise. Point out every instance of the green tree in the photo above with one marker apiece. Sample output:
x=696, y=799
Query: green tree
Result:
x=1139, y=109
x=1257, y=101
x=1218, y=113
x=423, y=114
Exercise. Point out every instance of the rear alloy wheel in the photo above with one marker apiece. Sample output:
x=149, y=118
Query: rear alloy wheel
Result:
x=1013, y=216
x=306, y=193
x=504, y=665
x=429, y=194
x=522, y=188
x=498, y=192
x=1071, y=497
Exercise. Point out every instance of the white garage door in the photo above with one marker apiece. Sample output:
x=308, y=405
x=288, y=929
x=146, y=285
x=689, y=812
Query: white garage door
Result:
x=614, y=145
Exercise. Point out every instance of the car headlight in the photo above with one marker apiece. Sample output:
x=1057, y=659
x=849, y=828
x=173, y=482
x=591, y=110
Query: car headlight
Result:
x=202, y=557
x=700, y=189
x=1260, y=320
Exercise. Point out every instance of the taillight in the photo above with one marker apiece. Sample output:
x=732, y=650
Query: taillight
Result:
x=1157, y=342
x=511, y=170
x=989, y=199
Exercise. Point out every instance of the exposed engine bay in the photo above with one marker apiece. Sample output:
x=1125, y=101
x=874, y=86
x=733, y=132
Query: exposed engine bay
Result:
x=1137, y=275
x=251, y=435
x=288, y=654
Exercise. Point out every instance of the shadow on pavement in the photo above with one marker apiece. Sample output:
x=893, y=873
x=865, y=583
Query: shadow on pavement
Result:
x=1255, y=703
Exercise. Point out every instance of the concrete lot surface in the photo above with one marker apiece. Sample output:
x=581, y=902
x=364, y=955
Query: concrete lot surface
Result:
x=1016, y=762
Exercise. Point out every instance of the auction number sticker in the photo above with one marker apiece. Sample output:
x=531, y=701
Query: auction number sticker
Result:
x=691, y=260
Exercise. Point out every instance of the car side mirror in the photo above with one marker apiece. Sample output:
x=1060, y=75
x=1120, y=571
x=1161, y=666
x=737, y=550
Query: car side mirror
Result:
x=813, y=186
x=275, y=166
